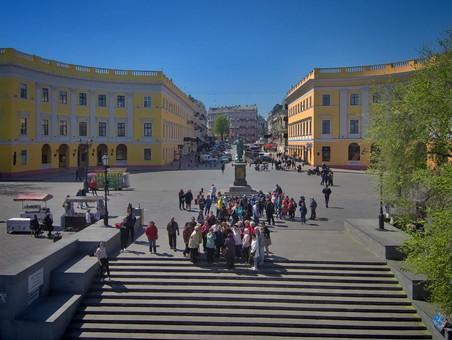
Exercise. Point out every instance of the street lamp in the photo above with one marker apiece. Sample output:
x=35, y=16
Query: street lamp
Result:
x=381, y=218
x=106, y=166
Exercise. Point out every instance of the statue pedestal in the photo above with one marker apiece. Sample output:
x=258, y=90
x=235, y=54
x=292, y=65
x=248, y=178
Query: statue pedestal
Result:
x=240, y=187
x=240, y=174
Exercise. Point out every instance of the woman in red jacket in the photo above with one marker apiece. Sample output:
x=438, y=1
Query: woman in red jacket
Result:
x=152, y=234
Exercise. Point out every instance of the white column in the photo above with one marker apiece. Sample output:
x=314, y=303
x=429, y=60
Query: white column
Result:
x=364, y=111
x=54, y=104
x=111, y=114
x=343, y=113
x=73, y=99
x=129, y=99
x=38, y=137
x=91, y=97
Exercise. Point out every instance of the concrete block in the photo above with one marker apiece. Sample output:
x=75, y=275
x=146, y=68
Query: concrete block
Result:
x=383, y=243
x=414, y=284
x=47, y=318
x=75, y=276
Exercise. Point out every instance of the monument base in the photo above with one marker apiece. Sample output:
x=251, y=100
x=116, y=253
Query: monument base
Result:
x=240, y=187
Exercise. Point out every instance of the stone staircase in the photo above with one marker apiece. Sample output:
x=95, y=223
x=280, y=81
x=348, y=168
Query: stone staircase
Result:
x=170, y=298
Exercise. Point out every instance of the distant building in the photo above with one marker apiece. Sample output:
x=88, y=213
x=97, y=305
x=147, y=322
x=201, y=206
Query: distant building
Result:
x=242, y=121
x=277, y=127
x=328, y=112
x=58, y=115
x=261, y=127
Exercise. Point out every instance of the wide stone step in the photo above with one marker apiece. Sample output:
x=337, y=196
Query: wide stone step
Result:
x=78, y=334
x=133, y=282
x=178, y=264
x=268, y=260
x=256, y=313
x=253, y=276
x=249, y=290
x=247, y=269
x=298, y=331
x=249, y=320
x=178, y=298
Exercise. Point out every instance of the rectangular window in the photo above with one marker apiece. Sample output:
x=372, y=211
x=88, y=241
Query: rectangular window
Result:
x=102, y=100
x=354, y=126
x=147, y=154
x=23, y=157
x=310, y=101
x=83, y=129
x=23, y=91
x=82, y=99
x=63, y=97
x=45, y=127
x=326, y=153
x=23, y=126
x=147, y=129
x=121, y=129
x=45, y=95
x=121, y=101
x=102, y=129
x=63, y=128
x=354, y=99
x=326, y=100
x=147, y=102
x=326, y=127
x=376, y=98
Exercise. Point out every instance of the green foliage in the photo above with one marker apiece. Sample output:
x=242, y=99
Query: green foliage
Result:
x=410, y=133
x=221, y=126
x=430, y=252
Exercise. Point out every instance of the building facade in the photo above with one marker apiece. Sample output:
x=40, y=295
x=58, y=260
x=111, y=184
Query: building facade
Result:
x=58, y=115
x=328, y=112
x=261, y=127
x=242, y=121
x=277, y=127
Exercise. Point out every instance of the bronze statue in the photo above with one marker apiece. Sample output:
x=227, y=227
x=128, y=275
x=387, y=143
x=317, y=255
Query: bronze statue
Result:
x=240, y=150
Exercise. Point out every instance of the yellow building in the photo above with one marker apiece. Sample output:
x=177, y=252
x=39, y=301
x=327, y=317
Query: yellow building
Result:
x=328, y=112
x=57, y=115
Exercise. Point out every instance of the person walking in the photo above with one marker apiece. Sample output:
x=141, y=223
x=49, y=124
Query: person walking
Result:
x=210, y=245
x=102, y=257
x=207, y=203
x=173, y=229
x=194, y=242
x=152, y=235
x=267, y=240
x=188, y=198
x=303, y=209
x=123, y=234
x=34, y=226
x=181, y=200
x=186, y=232
x=229, y=250
x=269, y=211
x=93, y=186
x=130, y=225
x=313, y=207
x=48, y=223
x=246, y=244
x=254, y=251
x=326, y=192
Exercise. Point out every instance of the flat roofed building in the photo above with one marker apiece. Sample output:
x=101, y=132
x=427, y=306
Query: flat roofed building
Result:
x=58, y=115
x=328, y=112
x=242, y=121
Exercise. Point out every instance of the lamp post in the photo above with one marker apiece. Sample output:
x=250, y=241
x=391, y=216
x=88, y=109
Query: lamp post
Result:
x=381, y=218
x=106, y=166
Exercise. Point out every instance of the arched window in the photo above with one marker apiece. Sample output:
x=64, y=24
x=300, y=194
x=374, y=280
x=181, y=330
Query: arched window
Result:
x=102, y=149
x=354, y=152
x=46, y=154
x=121, y=152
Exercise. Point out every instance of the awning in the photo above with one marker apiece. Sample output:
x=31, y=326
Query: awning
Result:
x=34, y=196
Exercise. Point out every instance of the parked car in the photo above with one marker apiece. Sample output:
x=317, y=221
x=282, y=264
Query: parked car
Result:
x=225, y=159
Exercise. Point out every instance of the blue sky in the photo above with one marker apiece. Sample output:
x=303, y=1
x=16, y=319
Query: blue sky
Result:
x=225, y=52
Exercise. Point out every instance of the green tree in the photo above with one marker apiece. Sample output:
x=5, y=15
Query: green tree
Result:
x=412, y=129
x=221, y=126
